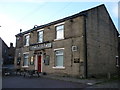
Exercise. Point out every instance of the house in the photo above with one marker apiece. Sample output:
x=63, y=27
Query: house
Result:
x=11, y=54
x=84, y=45
x=6, y=53
x=3, y=52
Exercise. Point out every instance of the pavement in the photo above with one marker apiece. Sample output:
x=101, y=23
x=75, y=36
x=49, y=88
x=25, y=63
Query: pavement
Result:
x=92, y=83
x=110, y=84
x=72, y=79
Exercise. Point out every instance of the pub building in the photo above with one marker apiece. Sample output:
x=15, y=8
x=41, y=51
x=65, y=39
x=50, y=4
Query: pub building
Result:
x=84, y=45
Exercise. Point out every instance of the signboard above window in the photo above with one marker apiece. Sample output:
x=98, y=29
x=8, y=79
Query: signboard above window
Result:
x=41, y=46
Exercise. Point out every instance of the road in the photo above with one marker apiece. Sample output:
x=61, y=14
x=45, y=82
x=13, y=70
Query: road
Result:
x=35, y=82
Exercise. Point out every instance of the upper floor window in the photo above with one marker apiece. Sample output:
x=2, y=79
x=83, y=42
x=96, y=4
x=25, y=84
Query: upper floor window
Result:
x=60, y=32
x=40, y=36
x=26, y=41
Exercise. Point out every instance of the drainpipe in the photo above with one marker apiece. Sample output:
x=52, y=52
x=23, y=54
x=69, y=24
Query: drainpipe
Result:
x=85, y=48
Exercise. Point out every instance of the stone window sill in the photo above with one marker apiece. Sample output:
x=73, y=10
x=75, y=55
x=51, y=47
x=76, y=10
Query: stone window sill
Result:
x=58, y=39
x=59, y=67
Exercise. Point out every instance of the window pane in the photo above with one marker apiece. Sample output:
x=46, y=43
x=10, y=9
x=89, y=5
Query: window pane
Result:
x=27, y=40
x=59, y=57
x=40, y=40
x=25, y=63
x=60, y=32
x=59, y=61
x=60, y=52
x=40, y=36
x=60, y=27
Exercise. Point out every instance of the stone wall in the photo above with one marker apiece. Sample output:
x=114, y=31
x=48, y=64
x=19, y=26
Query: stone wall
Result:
x=101, y=42
x=0, y=51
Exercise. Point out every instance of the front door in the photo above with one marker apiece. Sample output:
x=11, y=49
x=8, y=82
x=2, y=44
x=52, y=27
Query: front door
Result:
x=39, y=63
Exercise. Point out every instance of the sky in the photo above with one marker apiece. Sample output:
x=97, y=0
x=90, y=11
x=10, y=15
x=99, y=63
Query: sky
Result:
x=24, y=14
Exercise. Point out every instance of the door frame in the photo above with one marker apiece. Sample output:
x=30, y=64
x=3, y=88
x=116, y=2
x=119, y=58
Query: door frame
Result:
x=36, y=62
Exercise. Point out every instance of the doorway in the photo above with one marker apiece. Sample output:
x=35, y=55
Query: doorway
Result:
x=39, y=64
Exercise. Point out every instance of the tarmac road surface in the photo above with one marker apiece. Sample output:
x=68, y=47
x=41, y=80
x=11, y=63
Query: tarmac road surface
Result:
x=35, y=82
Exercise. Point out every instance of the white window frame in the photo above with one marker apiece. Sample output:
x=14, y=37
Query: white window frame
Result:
x=38, y=35
x=59, y=49
x=26, y=44
x=59, y=67
x=57, y=25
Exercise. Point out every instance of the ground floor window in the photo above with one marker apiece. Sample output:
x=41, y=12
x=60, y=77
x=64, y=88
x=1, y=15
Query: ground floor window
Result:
x=18, y=60
x=59, y=58
x=25, y=62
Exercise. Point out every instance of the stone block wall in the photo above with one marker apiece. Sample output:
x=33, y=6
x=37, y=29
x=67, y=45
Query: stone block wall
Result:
x=101, y=42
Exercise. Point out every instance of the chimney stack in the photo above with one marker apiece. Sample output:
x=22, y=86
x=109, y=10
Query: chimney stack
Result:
x=11, y=44
x=20, y=30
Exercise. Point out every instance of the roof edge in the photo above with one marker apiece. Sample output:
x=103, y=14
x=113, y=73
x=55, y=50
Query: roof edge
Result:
x=82, y=13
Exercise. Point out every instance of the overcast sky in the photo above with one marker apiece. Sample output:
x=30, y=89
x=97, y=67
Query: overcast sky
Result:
x=24, y=14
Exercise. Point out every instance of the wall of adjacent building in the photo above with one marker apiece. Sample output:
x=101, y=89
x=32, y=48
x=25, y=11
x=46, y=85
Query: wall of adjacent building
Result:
x=102, y=42
x=119, y=54
x=0, y=51
x=11, y=54
x=5, y=50
x=6, y=53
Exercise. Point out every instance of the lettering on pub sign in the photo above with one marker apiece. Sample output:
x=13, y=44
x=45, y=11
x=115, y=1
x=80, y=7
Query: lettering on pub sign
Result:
x=41, y=46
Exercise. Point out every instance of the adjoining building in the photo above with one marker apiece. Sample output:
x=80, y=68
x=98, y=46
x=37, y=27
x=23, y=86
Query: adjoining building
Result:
x=1, y=59
x=84, y=45
x=11, y=54
x=118, y=59
x=6, y=53
x=3, y=52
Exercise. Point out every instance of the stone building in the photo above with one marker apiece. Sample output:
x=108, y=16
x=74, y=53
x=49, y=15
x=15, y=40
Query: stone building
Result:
x=11, y=53
x=84, y=45
x=118, y=62
x=3, y=52
x=6, y=53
